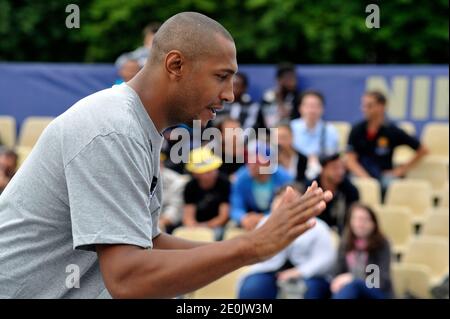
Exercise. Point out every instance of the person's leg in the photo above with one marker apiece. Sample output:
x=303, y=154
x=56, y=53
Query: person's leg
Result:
x=218, y=233
x=373, y=293
x=350, y=291
x=259, y=286
x=317, y=288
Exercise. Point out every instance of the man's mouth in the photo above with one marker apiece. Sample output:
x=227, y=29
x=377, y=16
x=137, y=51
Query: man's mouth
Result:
x=213, y=110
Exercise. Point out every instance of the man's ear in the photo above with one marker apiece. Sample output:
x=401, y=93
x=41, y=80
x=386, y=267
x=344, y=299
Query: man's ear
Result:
x=174, y=64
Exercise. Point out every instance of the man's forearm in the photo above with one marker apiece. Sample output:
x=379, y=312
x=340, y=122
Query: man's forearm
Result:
x=169, y=273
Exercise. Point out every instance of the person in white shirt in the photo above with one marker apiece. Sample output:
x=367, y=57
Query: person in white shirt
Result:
x=311, y=255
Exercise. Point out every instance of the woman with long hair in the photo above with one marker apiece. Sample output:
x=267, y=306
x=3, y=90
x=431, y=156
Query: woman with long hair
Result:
x=363, y=266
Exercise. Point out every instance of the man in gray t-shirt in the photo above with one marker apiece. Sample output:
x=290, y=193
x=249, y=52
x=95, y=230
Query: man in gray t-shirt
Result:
x=80, y=217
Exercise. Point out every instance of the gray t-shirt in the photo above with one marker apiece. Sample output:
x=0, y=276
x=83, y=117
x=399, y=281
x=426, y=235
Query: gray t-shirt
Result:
x=92, y=178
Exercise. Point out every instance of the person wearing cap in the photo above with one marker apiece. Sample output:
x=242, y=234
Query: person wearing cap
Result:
x=333, y=178
x=254, y=189
x=206, y=196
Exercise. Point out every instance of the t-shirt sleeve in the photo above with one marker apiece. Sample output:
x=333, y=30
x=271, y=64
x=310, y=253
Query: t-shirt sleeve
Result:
x=109, y=184
x=402, y=138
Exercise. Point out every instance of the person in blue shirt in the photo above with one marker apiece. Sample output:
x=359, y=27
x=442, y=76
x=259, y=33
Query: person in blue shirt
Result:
x=313, y=137
x=253, y=190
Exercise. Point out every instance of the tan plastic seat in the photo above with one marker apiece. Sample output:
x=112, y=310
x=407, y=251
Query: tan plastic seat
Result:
x=223, y=288
x=343, y=129
x=369, y=190
x=443, y=202
x=403, y=153
x=437, y=223
x=413, y=279
x=435, y=138
x=31, y=129
x=233, y=232
x=412, y=193
x=396, y=224
x=194, y=233
x=8, y=131
x=430, y=251
x=433, y=170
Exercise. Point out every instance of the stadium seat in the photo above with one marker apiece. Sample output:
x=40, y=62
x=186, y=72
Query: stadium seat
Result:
x=430, y=251
x=435, y=138
x=395, y=223
x=412, y=193
x=369, y=190
x=436, y=223
x=31, y=129
x=411, y=280
x=22, y=154
x=408, y=127
x=223, y=288
x=8, y=131
x=404, y=153
x=195, y=233
x=433, y=170
x=443, y=202
x=343, y=129
x=233, y=232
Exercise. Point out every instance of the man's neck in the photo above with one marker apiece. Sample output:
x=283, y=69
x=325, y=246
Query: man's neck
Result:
x=310, y=125
x=153, y=102
x=327, y=185
x=375, y=123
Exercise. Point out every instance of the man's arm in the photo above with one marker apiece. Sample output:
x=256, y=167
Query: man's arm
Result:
x=402, y=170
x=132, y=272
x=189, y=213
x=354, y=166
x=222, y=218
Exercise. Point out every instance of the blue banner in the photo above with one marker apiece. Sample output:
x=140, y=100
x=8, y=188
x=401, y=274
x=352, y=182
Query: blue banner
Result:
x=416, y=93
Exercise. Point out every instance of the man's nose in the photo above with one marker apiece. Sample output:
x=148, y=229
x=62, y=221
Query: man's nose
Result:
x=227, y=94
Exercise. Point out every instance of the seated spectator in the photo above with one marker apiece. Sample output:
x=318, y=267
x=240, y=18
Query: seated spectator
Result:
x=279, y=103
x=333, y=178
x=290, y=159
x=128, y=69
x=232, y=145
x=372, y=143
x=312, y=256
x=312, y=136
x=140, y=54
x=172, y=204
x=243, y=109
x=8, y=166
x=253, y=190
x=362, y=245
x=206, y=196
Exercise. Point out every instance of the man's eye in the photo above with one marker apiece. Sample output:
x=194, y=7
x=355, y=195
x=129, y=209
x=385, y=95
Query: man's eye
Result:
x=222, y=76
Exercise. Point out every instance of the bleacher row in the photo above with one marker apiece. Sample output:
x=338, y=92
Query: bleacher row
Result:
x=414, y=215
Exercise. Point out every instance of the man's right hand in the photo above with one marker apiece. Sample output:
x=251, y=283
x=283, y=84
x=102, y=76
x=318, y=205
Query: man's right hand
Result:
x=293, y=216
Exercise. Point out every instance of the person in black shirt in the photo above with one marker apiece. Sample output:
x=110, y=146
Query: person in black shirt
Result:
x=206, y=196
x=243, y=109
x=292, y=160
x=333, y=178
x=372, y=142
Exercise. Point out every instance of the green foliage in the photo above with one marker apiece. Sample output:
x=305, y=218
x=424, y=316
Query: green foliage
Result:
x=265, y=31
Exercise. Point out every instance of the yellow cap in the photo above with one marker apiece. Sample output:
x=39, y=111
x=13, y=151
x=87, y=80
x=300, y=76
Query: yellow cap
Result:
x=202, y=160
